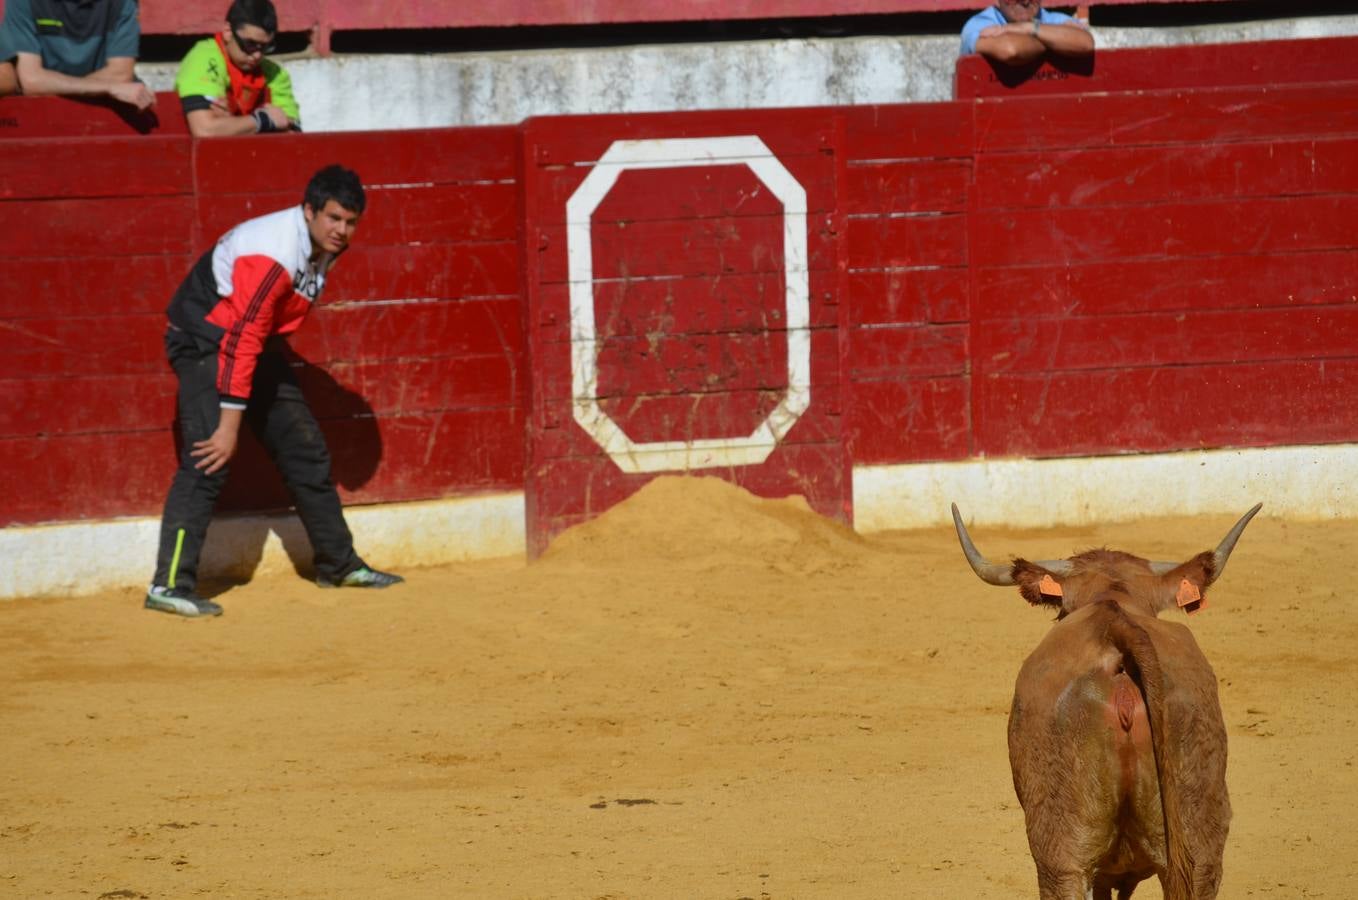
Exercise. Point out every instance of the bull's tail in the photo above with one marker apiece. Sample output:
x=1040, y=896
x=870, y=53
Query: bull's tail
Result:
x=1143, y=664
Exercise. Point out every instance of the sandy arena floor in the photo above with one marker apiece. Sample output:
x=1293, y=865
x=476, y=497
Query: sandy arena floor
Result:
x=701, y=694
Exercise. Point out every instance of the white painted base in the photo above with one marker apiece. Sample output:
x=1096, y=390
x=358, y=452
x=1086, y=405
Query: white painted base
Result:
x=1294, y=482
x=85, y=557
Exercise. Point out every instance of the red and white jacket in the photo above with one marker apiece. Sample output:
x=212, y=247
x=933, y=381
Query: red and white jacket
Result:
x=259, y=281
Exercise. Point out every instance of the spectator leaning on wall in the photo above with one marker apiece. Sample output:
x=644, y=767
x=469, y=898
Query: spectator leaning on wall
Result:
x=72, y=48
x=227, y=85
x=1020, y=32
x=226, y=342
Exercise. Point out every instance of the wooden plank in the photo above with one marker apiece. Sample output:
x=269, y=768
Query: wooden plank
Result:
x=909, y=420
x=1166, y=339
x=697, y=305
x=688, y=247
x=369, y=14
x=133, y=344
x=908, y=186
x=687, y=192
x=98, y=226
x=570, y=140
x=1146, y=175
x=907, y=131
x=381, y=460
x=434, y=455
x=401, y=386
x=602, y=483
x=102, y=404
x=1078, y=235
x=908, y=296
x=427, y=271
x=198, y=17
x=1251, y=281
x=88, y=285
x=124, y=345
x=139, y=166
x=67, y=478
x=416, y=329
x=1168, y=408
x=86, y=405
x=1263, y=63
x=285, y=163
x=70, y=117
x=687, y=364
x=926, y=239
x=425, y=214
x=72, y=478
x=344, y=15
x=658, y=418
x=896, y=351
x=1211, y=115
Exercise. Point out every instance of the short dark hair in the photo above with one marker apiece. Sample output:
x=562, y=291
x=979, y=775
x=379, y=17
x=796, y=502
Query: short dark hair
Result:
x=335, y=183
x=259, y=13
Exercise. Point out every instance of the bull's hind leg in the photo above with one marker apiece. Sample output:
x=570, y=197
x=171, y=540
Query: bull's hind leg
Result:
x=1063, y=885
x=1206, y=881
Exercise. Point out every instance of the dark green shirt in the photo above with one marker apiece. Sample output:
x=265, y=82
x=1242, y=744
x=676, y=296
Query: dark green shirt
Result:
x=74, y=37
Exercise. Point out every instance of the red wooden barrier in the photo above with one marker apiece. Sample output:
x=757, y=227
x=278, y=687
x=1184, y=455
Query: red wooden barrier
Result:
x=907, y=183
x=1164, y=281
x=1025, y=275
x=684, y=306
x=1195, y=66
x=34, y=117
x=414, y=362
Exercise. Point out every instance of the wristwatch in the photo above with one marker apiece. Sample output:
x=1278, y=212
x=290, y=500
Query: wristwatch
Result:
x=1035, y=24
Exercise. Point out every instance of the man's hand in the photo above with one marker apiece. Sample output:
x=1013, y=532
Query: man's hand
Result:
x=133, y=93
x=218, y=449
x=277, y=116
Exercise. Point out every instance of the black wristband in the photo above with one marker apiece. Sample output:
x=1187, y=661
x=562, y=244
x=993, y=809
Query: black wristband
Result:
x=263, y=124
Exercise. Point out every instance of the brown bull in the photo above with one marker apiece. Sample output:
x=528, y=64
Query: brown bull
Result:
x=1116, y=739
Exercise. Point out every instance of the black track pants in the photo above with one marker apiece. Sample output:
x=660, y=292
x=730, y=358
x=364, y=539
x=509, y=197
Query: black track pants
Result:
x=281, y=419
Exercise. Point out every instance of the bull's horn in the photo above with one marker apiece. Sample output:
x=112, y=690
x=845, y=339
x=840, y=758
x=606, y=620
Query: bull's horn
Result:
x=989, y=572
x=1223, y=551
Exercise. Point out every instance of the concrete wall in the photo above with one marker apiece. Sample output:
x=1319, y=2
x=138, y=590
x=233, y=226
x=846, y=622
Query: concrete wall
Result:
x=365, y=92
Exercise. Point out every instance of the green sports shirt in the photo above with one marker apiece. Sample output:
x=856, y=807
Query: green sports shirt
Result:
x=207, y=76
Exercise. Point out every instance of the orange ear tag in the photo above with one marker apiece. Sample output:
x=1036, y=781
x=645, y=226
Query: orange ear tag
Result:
x=1189, y=597
x=1048, y=587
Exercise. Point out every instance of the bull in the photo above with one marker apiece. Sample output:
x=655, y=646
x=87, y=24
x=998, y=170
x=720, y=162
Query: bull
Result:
x=1116, y=738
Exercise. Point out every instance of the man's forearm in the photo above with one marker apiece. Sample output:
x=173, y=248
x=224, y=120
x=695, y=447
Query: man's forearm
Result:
x=1011, y=49
x=38, y=81
x=230, y=420
x=206, y=123
x=1066, y=40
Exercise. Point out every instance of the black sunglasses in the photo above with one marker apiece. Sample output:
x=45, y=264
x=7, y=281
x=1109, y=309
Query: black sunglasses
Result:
x=249, y=47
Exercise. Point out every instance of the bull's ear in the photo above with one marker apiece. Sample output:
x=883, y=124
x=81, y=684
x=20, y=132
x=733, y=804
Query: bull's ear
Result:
x=1037, y=585
x=1185, y=586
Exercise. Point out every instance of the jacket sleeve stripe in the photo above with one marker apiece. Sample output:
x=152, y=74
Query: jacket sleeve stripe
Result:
x=231, y=344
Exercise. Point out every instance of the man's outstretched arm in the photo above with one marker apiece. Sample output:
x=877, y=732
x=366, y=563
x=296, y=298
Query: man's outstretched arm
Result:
x=113, y=80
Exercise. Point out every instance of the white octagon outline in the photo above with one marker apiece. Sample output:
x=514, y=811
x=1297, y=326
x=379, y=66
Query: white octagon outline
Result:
x=706, y=453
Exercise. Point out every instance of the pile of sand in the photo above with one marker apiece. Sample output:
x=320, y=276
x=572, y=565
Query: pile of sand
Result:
x=712, y=523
